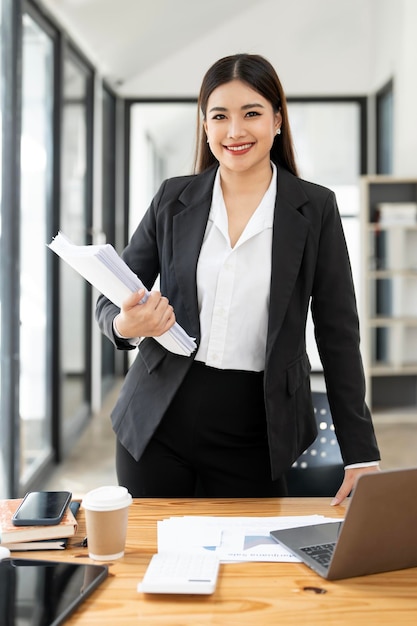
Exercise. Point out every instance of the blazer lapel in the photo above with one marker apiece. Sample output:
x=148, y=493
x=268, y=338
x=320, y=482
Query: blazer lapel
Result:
x=189, y=226
x=289, y=237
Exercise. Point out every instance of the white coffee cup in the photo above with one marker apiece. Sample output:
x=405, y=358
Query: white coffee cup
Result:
x=106, y=516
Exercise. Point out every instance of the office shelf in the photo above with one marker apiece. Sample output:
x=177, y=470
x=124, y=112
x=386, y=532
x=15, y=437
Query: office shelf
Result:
x=389, y=292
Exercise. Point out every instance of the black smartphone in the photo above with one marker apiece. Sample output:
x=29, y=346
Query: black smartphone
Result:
x=40, y=508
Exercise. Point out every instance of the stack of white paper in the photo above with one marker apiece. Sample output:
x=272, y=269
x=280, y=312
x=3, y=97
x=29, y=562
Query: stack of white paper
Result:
x=101, y=266
x=231, y=538
x=397, y=213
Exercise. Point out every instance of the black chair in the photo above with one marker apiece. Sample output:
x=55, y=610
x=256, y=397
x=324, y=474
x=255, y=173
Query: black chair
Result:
x=319, y=470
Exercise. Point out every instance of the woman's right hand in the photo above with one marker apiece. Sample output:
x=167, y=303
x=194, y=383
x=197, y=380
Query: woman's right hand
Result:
x=150, y=319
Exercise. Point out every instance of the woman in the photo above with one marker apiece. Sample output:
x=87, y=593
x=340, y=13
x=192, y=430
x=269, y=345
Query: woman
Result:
x=241, y=248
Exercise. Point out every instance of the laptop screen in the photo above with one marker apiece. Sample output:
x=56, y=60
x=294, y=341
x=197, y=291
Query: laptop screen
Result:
x=44, y=593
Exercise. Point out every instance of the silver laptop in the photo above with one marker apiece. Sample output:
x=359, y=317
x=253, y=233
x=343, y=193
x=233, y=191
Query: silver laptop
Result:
x=378, y=533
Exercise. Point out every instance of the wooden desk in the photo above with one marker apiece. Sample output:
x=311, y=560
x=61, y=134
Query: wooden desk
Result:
x=258, y=594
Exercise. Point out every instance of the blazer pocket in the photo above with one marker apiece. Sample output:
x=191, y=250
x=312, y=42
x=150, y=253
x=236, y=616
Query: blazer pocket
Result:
x=297, y=372
x=151, y=353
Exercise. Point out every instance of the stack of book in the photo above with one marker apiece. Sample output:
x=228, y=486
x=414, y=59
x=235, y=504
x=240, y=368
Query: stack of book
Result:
x=397, y=213
x=22, y=538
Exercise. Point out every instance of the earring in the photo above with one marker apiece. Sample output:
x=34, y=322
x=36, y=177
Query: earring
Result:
x=278, y=131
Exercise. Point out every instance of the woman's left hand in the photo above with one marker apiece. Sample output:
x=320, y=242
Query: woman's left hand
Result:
x=349, y=482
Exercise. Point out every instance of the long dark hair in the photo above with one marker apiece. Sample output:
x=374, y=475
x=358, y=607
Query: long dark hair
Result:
x=259, y=74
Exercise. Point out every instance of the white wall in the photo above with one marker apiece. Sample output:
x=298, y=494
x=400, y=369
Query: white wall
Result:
x=405, y=77
x=395, y=57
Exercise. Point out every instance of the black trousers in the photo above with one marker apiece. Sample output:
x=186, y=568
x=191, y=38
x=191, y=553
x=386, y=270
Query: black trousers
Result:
x=212, y=442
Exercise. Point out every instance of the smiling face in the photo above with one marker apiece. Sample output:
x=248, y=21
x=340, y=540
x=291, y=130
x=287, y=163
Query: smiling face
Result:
x=240, y=125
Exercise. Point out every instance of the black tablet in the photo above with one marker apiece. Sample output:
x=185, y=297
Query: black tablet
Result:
x=44, y=593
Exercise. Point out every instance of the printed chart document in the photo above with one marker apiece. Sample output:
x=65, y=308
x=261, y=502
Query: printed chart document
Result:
x=231, y=538
x=101, y=266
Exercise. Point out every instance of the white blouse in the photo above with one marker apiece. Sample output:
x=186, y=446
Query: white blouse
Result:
x=233, y=286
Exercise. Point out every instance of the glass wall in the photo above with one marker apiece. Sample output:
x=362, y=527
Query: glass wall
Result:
x=36, y=177
x=10, y=39
x=329, y=140
x=3, y=428
x=46, y=132
x=109, y=209
x=75, y=223
x=162, y=143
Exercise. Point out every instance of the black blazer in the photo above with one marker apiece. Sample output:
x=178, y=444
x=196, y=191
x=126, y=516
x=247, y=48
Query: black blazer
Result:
x=309, y=261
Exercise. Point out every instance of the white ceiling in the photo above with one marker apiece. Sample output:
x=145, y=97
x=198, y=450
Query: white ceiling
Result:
x=155, y=47
x=127, y=37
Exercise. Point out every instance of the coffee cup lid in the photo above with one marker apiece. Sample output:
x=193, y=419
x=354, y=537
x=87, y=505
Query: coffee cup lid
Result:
x=107, y=498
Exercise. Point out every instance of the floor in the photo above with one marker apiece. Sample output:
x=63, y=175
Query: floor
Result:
x=91, y=464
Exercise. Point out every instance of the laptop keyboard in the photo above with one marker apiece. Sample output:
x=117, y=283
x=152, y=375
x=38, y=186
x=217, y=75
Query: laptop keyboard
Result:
x=322, y=553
